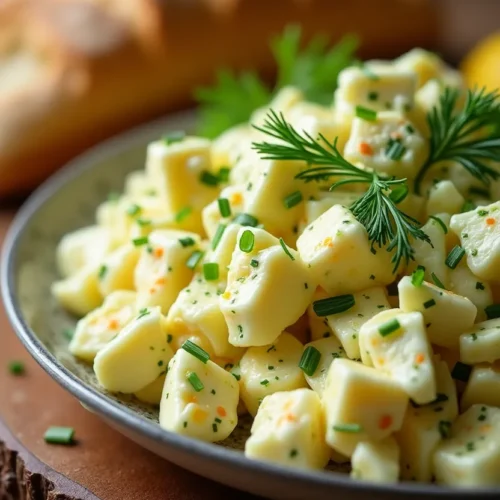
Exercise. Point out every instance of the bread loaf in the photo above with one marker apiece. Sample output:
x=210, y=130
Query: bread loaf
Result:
x=73, y=72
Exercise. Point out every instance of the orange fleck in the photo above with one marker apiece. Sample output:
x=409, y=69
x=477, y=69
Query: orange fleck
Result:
x=158, y=252
x=236, y=199
x=152, y=290
x=226, y=295
x=485, y=428
x=419, y=358
x=199, y=415
x=385, y=422
x=374, y=342
x=221, y=411
x=490, y=221
x=113, y=324
x=291, y=417
x=160, y=281
x=190, y=399
x=381, y=361
x=327, y=242
x=365, y=149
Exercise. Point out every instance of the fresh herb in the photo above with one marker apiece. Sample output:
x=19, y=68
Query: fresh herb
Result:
x=366, y=114
x=399, y=194
x=247, y=241
x=387, y=226
x=293, y=199
x=254, y=263
x=59, y=435
x=218, y=235
x=246, y=220
x=194, y=258
x=437, y=281
x=69, y=333
x=139, y=242
x=211, y=271
x=459, y=136
x=333, y=305
x=102, y=272
x=208, y=178
x=182, y=214
x=195, y=381
x=350, y=428
x=417, y=277
x=134, y=210
x=454, y=257
x=492, y=311
x=195, y=351
x=429, y=303
x=187, y=242
x=395, y=150
x=174, y=137
x=444, y=428
x=224, y=207
x=440, y=222
x=310, y=360
x=16, y=367
x=389, y=327
x=286, y=249
x=479, y=285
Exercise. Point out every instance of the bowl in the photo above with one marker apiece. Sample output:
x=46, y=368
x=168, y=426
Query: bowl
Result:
x=68, y=201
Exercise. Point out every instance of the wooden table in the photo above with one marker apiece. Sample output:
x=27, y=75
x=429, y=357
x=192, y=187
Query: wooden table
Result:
x=103, y=461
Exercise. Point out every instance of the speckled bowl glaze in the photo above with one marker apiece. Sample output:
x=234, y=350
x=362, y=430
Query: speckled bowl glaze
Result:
x=68, y=201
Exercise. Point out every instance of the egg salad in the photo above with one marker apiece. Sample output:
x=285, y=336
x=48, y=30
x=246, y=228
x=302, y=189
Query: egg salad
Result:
x=333, y=271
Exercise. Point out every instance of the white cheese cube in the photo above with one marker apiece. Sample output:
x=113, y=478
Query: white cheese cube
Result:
x=258, y=280
x=471, y=456
x=178, y=170
x=463, y=282
x=425, y=64
x=481, y=342
x=138, y=185
x=196, y=312
x=444, y=197
x=446, y=315
x=425, y=426
x=377, y=87
x=117, y=270
x=479, y=233
x=286, y=99
x=361, y=404
x=161, y=272
x=483, y=386
x=230, y=144
x=376, y=461
x=87, y=245
x=137, y=356
x=336, y=248
x=404, y=353
x=289, y=429
x=151, y=394
x=101, y=325
x=390, y=144
x=330, y=349
x=269, y=369
x=206, y=412
x=325, y=201
x=79, y=293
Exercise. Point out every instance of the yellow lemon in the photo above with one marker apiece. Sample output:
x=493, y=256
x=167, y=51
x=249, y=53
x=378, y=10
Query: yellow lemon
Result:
x=481, y=66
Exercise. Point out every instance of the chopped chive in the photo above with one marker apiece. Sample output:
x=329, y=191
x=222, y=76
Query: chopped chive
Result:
x=366, y=113
x=372, y=96
x=211, y=271
x=286, y=249
x=187, y=242
x=461, y=371
x=254, y=263
x=113, y=196
x=214, y=427
x=196, y=351
x=482, y=213
x=429, y=303
x=182, y=214
x=69, y=333
x=143, y=312
x=208, y=178
x=173, y=137
x=264, y=382
x=479, y=286
x=310, y=360
x=218, y=235
x=395, y=150
x=492, y=311
x=437, y=281
x=333, y=305
x=389, y=327
x=224, y=174
x=444, y=428
x=474, y=252
x=16, y=367
x=224, y=207
x=170, y=338
x=479, y=192
x=194, y=258
x=143, y=222
x=293, y=199
x=102, y=271
x=350, y=428
x=59, y=435
x=195, y=381
x=468, y=206
x=454, y=257
x=134, y=210
x=417, y=277
x=369, y=73
x=138, y=242
x=440, y=222
x=247, y=241
x=246, y=220
x=409, y=129
x=399, y=193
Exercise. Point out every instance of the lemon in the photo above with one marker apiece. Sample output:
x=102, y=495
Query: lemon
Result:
x=481, y=66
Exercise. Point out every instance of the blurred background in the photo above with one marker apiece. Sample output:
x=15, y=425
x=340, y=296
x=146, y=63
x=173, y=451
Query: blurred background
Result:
x=73, y=72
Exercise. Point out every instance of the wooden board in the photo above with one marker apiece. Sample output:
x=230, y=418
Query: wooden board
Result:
x=103, y=461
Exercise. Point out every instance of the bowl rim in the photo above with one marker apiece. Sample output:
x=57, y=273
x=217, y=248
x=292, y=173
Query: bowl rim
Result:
x=124, y=416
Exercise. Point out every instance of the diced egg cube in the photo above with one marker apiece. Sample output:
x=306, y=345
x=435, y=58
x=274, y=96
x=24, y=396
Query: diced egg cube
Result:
x=117, y=269
x=481, y=342
x=444, y=197
x=151, y=394
x=199, y=399
x=269, y=369
x=376, y=461
x=483, y=386
x=289, y=429
x=361, y=404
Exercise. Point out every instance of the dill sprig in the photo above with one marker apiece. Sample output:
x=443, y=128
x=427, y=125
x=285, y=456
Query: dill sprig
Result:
x=386, y=225
x=470, y=137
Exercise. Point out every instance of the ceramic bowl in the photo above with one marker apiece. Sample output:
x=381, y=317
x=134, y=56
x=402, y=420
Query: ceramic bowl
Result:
x=68, y=201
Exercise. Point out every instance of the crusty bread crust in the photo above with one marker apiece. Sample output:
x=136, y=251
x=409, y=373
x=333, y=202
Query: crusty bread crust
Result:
x=73, y=72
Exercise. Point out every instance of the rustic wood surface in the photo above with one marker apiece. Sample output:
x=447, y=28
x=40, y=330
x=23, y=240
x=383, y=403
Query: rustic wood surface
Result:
x=103, y=461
